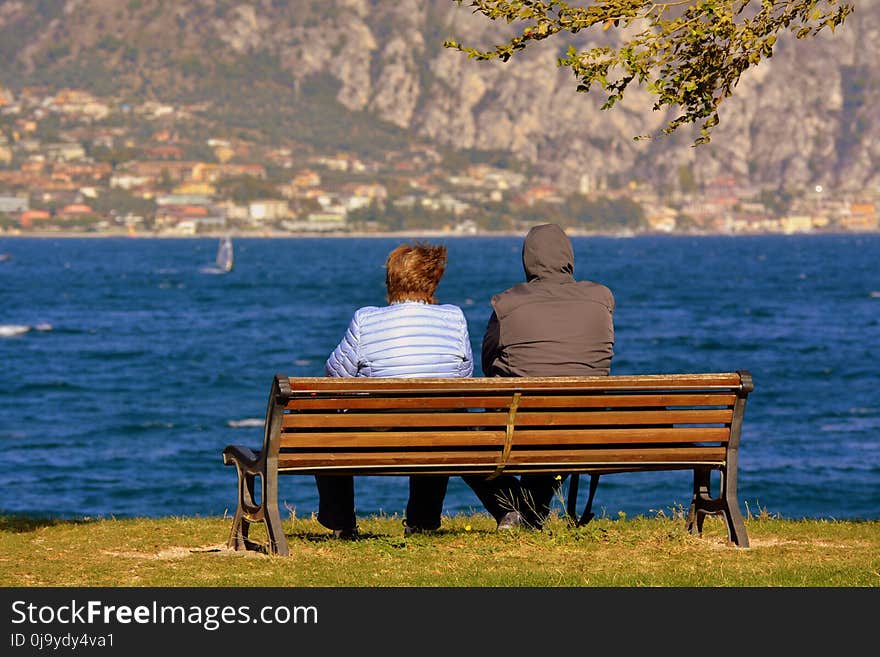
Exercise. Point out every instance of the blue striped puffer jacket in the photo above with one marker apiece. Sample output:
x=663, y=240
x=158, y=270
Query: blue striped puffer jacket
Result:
x=408, y=339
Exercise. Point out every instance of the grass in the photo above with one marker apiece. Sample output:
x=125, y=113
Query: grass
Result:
x=466, y=552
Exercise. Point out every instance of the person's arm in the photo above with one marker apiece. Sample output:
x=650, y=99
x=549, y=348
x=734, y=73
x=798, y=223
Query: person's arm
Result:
x=491, y=344
x=344, y=359
x=467, y=359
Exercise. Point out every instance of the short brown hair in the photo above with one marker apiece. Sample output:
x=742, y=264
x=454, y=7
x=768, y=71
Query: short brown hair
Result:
x=413, y=271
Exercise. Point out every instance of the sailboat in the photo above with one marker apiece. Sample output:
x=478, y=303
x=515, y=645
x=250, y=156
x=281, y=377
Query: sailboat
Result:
x=225, y=259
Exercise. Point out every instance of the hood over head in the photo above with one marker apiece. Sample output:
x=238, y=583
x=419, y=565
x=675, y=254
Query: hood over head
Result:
x=547, y=254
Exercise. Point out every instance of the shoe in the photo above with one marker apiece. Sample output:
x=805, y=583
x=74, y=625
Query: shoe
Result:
x=409, y=531
x=510, y=520
x=346, y=534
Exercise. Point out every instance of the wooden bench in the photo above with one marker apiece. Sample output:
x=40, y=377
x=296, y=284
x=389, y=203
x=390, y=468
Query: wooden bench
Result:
x=594, y=425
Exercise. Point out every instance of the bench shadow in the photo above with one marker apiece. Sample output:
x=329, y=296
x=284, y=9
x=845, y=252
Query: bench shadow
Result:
x=23, y=524
x=322, y=537
x=316, y=537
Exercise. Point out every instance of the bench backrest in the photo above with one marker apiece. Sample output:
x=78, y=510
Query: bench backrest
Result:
x=515, y=425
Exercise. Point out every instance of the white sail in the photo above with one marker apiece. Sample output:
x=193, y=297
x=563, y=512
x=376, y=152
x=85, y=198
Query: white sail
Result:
x=224, y=254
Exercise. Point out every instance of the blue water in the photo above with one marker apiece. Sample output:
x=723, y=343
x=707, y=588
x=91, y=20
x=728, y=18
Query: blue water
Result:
x=125, y=370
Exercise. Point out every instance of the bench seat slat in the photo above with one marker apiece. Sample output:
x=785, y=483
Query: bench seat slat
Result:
x=390, y=458
x=380, y=402
x=592, y=418
x=564, y=437
x=527, y=401
x=695, y=454
x=523, y=418
x=327, y=440
x=627, y=401
x=390, y=420
x=308, y=385
x=458, y=469
x=571, y=457
x=620, y=436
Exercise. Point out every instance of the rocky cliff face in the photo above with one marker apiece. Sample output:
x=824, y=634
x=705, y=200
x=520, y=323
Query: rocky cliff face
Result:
x=806, y=116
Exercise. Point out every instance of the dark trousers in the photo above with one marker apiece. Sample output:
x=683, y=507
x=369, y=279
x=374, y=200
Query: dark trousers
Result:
x=530, y=495
x=423, y=509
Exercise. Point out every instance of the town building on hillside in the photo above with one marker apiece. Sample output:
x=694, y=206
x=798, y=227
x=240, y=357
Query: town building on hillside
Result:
x=235, y=212
x=76, y=102
x=268, y=210
x=372, y=191
x=184, y=199
x=797, y=223
x=860, y=217
x=209, y=172
x=164, y=152
x=57, y=195
x=14, y=204
x=156, y=170
x=189, y=219
x=541, y=193
x=305, y=179
x=193, y=188
x=31, y=218
x=81, y=170
x=34, y=165
x=75, y=211
x=661, y=219
x=319, y=222
x=129, y=182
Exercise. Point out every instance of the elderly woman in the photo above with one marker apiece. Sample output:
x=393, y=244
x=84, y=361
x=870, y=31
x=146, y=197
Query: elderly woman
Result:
x=413, y=336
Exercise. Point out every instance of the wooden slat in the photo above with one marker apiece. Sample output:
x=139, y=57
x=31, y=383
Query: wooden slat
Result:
x=621, y=437
x=526, y=402
x=358, y=420
x=524, y=437
x=308, y=385
x=330, y=441
x=487, y=469
x=587, y=457
x=389, y=402
x=633, y=400
x=530, y=419
x=391, y=459
x=640, y=455
x=593, y=418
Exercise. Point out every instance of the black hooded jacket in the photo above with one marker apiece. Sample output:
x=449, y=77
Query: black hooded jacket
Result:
x=551, y=325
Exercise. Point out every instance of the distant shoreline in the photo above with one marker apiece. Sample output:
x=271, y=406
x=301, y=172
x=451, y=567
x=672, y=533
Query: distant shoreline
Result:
x=414, y=234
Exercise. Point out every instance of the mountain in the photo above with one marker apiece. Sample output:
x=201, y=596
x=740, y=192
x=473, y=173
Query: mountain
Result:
x=369, y=74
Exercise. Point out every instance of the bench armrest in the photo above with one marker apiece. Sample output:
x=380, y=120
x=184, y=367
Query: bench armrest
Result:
x=242, y=457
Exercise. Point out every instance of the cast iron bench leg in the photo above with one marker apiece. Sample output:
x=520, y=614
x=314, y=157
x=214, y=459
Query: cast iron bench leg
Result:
x=704, y=504
x=697, y=511
x=736, y=527
x=238, y=537
x=571, y=508
x=277, y=539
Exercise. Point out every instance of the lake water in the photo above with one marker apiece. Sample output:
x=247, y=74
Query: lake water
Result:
x=125, y=368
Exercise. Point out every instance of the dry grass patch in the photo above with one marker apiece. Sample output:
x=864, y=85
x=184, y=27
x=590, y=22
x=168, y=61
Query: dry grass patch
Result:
x=467, y=552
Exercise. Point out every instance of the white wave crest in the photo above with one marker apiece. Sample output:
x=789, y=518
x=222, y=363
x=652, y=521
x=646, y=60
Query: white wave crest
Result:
x=246, y=422
x=10, y=330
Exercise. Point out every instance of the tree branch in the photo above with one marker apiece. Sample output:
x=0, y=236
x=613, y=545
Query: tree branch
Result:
x=690, y=54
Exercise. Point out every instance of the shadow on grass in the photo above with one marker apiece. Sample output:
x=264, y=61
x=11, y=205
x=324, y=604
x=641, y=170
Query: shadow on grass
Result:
x=22, y=524
x=261, y=547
